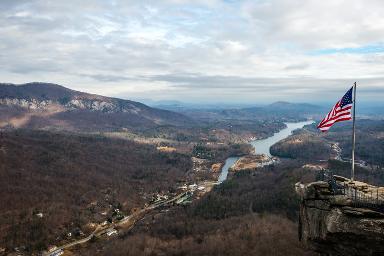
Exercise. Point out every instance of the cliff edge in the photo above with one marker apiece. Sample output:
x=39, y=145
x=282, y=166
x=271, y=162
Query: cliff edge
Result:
x=341, y=217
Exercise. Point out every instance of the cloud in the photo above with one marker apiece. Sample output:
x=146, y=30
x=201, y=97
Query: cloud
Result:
x=108, y=78
x=268, y=85
x=318, y=24
x=176, y=49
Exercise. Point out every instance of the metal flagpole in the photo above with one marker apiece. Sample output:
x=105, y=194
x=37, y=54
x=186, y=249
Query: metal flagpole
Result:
x=353, y=133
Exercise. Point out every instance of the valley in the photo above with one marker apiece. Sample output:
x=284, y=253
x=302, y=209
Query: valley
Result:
x=96, y=175
x=190, y=128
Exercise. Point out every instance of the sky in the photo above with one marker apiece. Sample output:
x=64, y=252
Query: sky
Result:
x=197, y=51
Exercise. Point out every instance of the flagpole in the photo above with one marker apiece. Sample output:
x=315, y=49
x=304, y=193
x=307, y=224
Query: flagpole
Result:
x=353, y=133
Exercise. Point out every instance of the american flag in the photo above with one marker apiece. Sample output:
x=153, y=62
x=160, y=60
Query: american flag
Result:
x=340, y=112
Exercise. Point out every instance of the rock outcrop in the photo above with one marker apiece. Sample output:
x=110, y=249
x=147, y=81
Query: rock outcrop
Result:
x=335, y=224
x=106, y=106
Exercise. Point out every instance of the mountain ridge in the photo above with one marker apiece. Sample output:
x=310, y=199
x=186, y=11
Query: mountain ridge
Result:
x=47, y=105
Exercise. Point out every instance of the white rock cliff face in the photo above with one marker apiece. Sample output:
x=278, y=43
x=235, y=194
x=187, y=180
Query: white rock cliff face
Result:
x=95, y=105
x=88, y=104
x=29, y=104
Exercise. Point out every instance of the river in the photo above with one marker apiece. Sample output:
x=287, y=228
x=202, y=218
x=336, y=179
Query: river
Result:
x=262, y=146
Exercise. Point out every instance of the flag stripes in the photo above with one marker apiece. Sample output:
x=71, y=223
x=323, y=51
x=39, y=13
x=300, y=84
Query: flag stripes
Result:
x=340, y=112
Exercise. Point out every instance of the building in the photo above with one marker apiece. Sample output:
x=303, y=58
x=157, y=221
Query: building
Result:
x=57, y=253
x=111, y=232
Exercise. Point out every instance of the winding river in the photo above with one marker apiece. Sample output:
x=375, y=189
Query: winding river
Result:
x=262, y=146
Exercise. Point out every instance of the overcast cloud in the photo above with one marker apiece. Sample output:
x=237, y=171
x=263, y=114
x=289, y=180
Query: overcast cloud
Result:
x=208, y=50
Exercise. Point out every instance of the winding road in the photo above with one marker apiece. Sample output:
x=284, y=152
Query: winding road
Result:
x=127, y=222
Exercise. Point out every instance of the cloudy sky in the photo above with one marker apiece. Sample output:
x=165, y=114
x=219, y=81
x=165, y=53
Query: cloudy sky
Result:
x=197, y=51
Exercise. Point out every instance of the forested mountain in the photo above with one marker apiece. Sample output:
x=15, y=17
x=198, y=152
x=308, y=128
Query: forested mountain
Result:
x=50, y=106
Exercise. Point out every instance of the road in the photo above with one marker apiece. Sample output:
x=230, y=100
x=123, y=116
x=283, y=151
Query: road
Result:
x=127, y=222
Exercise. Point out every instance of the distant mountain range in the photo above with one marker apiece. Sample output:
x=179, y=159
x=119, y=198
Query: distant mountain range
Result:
x=303, y=107
x=283, y=108
x=51, y=106
x=281, y=111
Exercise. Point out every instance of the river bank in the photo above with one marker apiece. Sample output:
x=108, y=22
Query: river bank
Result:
x=262, y=146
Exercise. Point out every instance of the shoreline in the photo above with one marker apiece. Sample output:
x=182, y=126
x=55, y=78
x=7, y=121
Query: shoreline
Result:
x=225, y=170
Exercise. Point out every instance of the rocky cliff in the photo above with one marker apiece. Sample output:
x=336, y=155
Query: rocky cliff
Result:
x=341, y=223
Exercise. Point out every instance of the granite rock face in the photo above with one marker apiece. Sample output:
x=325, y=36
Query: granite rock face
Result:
x=333, y=224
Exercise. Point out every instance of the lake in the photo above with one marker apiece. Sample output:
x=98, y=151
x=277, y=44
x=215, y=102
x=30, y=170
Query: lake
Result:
x=263, y=146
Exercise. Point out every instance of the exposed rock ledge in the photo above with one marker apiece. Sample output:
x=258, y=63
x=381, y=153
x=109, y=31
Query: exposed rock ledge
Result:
x=331, y=225
x=96, y=104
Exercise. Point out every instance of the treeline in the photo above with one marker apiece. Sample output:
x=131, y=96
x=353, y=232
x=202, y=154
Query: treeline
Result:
x=302, y=145
x=221, y=152
x=67, y=176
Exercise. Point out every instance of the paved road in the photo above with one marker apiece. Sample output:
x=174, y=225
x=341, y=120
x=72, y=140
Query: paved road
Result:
x=126, y=222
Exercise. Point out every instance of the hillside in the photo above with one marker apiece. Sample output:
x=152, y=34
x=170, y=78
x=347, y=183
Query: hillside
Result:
x=74, y=181
x=253, y=213
x=310, y=144
x=51, y=106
